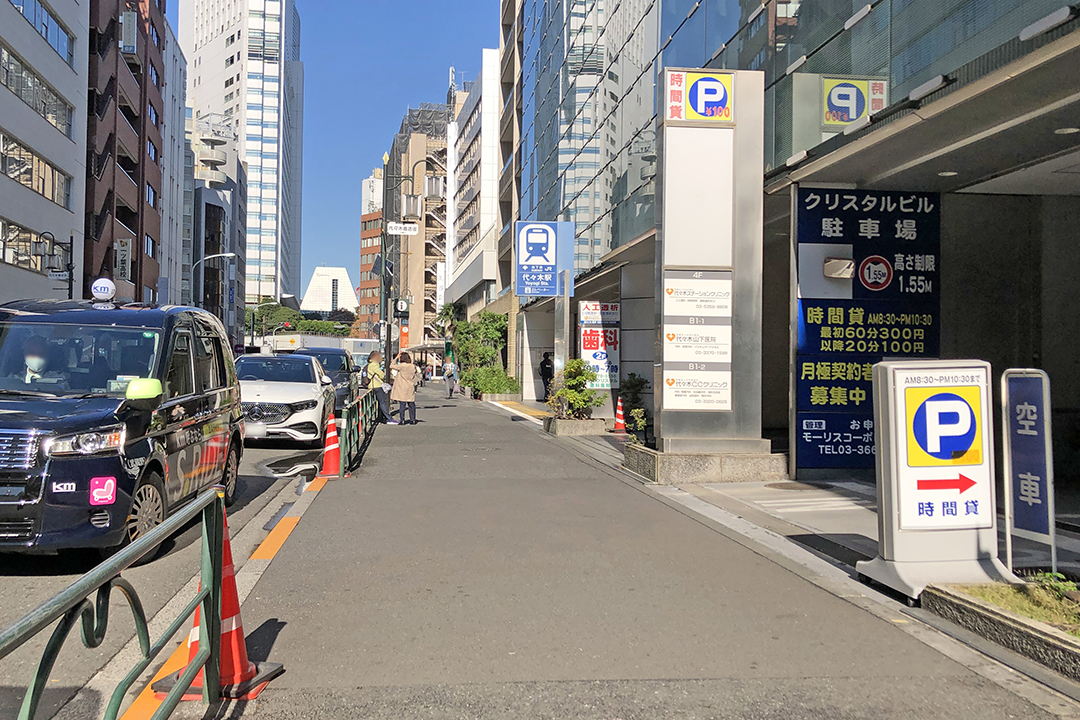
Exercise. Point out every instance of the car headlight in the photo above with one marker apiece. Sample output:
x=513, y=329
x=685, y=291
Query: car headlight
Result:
x=87, y=443
x=305, y=405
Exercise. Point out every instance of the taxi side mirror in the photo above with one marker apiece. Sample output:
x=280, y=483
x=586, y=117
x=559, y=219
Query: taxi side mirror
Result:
x=143, y=394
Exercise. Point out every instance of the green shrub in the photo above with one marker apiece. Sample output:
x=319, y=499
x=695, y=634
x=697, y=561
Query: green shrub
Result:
x=490, y=380
x=571, y=397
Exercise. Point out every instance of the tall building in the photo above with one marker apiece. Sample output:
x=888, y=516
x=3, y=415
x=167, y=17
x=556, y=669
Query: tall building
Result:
x=43, y=88
x=124, y=137
x=215, y=222
x=471, y=269
x=330, y=289
x=371, y=192
x=367, y=294
x=414, y=191
x=245, y=67
x=173, y=148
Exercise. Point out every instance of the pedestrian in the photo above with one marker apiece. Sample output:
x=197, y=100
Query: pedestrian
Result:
x=376, y=381
x=404, y=391
x=547, y=373
x=449, y=370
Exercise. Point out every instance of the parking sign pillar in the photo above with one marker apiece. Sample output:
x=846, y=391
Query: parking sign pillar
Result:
x=709, y=262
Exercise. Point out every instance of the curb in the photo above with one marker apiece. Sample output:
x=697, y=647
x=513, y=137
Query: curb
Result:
x=1035, y=640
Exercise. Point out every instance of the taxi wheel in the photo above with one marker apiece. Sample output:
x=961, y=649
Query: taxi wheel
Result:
x=232, y=474
x=147, y=507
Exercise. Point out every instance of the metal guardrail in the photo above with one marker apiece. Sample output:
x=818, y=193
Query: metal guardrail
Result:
x=73, y=605
x=358, y=420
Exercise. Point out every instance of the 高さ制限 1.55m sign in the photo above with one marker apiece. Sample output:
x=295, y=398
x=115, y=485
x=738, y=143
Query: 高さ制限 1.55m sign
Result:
x=699, y=97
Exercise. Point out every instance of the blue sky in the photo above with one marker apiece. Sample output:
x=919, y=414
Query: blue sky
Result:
x=365, y=63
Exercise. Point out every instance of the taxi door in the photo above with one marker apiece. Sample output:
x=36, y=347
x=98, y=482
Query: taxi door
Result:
x=181, y=409
x=211, y=383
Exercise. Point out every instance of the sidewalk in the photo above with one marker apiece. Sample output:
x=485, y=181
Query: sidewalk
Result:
x=477, y=568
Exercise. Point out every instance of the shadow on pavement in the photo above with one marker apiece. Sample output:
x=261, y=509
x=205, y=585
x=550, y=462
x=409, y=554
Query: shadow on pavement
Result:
x=52, y=699
x=261, y=641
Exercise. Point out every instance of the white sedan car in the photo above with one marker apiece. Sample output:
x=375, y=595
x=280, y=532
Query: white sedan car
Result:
x=285, y=396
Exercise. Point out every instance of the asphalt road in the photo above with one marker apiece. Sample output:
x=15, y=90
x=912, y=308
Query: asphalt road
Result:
x=478, y=569
x=27, y=581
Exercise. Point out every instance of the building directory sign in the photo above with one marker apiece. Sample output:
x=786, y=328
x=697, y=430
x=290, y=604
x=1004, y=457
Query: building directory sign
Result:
x=599, y=340
x=868, y=288
x=1028, y=456
x=696, y=339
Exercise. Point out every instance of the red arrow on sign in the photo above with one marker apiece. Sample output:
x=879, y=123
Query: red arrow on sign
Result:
x=962, y=483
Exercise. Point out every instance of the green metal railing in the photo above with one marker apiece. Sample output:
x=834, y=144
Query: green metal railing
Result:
x=73, y=605
x=358, y=420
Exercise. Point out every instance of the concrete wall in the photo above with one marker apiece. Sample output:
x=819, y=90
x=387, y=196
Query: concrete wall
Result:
x=638, y=352
x=537, y=339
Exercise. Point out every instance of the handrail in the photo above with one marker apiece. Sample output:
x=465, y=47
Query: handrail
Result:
x=72, y=605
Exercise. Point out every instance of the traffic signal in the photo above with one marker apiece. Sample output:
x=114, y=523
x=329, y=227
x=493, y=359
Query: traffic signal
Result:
x=288, y=325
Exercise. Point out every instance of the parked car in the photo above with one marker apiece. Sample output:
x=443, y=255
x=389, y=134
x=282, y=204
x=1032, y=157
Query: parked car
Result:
x=340, y=367
x=285, y=396
x=110, y=418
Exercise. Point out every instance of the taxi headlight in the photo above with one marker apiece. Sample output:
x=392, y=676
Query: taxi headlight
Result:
x=304, y=405
x=87, y=443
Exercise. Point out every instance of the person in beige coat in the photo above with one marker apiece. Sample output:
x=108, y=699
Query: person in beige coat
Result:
x=404, y=391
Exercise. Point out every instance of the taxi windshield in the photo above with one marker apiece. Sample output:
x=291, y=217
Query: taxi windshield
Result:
x=63, y=360
x=275, y=369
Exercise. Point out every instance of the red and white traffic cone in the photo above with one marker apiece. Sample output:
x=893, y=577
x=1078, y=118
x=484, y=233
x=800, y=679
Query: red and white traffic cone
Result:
x=620, y=421
x=241, y=679
x=331, y=459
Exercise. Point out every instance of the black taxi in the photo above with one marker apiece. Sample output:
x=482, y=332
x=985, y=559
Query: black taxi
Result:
x=110, y=417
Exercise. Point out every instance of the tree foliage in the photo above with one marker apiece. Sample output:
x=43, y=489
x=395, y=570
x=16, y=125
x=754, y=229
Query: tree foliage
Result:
x=479, y=343
x=449, y=315
x=342, y=315
x=571, y=397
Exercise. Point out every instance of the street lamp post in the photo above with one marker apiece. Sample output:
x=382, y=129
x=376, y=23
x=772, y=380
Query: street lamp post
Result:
x=200, y=261
x=53, y=262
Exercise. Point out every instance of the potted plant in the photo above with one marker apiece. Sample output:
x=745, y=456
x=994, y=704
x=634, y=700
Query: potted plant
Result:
x=572, y=402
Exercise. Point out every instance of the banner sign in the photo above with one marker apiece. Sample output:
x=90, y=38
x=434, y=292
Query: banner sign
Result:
x=599, y=340
x=868, y=269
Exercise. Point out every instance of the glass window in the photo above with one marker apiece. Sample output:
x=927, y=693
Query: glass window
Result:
x=32, y=90
x=178, y=377
x=276, y=369
x=151, y=196
x=48, y=27
x=25, y=167
x=151, y=113
x=209, y=373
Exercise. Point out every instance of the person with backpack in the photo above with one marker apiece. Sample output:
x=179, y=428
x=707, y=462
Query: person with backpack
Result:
x=373, y=377
x=450, y=376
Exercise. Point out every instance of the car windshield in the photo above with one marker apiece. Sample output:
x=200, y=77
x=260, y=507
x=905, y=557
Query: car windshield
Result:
x=331, y=362
x=275, y=369
x=60, y=359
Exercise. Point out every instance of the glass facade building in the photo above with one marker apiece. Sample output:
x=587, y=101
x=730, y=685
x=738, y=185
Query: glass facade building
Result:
x=589, y=69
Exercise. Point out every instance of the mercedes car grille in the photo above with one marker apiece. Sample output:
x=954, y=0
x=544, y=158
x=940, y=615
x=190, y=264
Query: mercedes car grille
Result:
x=269, y=413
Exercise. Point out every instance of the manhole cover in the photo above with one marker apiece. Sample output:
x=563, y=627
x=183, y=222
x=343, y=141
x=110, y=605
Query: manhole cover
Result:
x=799, y=486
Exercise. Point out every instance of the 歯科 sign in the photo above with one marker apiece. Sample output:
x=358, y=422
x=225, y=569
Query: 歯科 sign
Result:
x=886, y=304
x=935, y=475
x=696, y=339
x=1029, y=459
x=599, y=342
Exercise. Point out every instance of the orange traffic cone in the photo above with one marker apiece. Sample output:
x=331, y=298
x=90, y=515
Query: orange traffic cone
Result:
x=620, y=421
x=331, y=459
x=241, y=679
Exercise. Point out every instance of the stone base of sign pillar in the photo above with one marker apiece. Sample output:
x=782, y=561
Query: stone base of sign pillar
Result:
x=667, y=468
x=911, y=578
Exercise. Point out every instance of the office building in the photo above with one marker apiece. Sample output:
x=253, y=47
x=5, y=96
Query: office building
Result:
x=43, y=82
x=245, y=67
x=371, y=192
x=367, y=294
x=170, y=250
x=971, y=102
x=414, y=191
x=471, y=266
x=216, y=222
x=124, y=138
x=329, y=290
